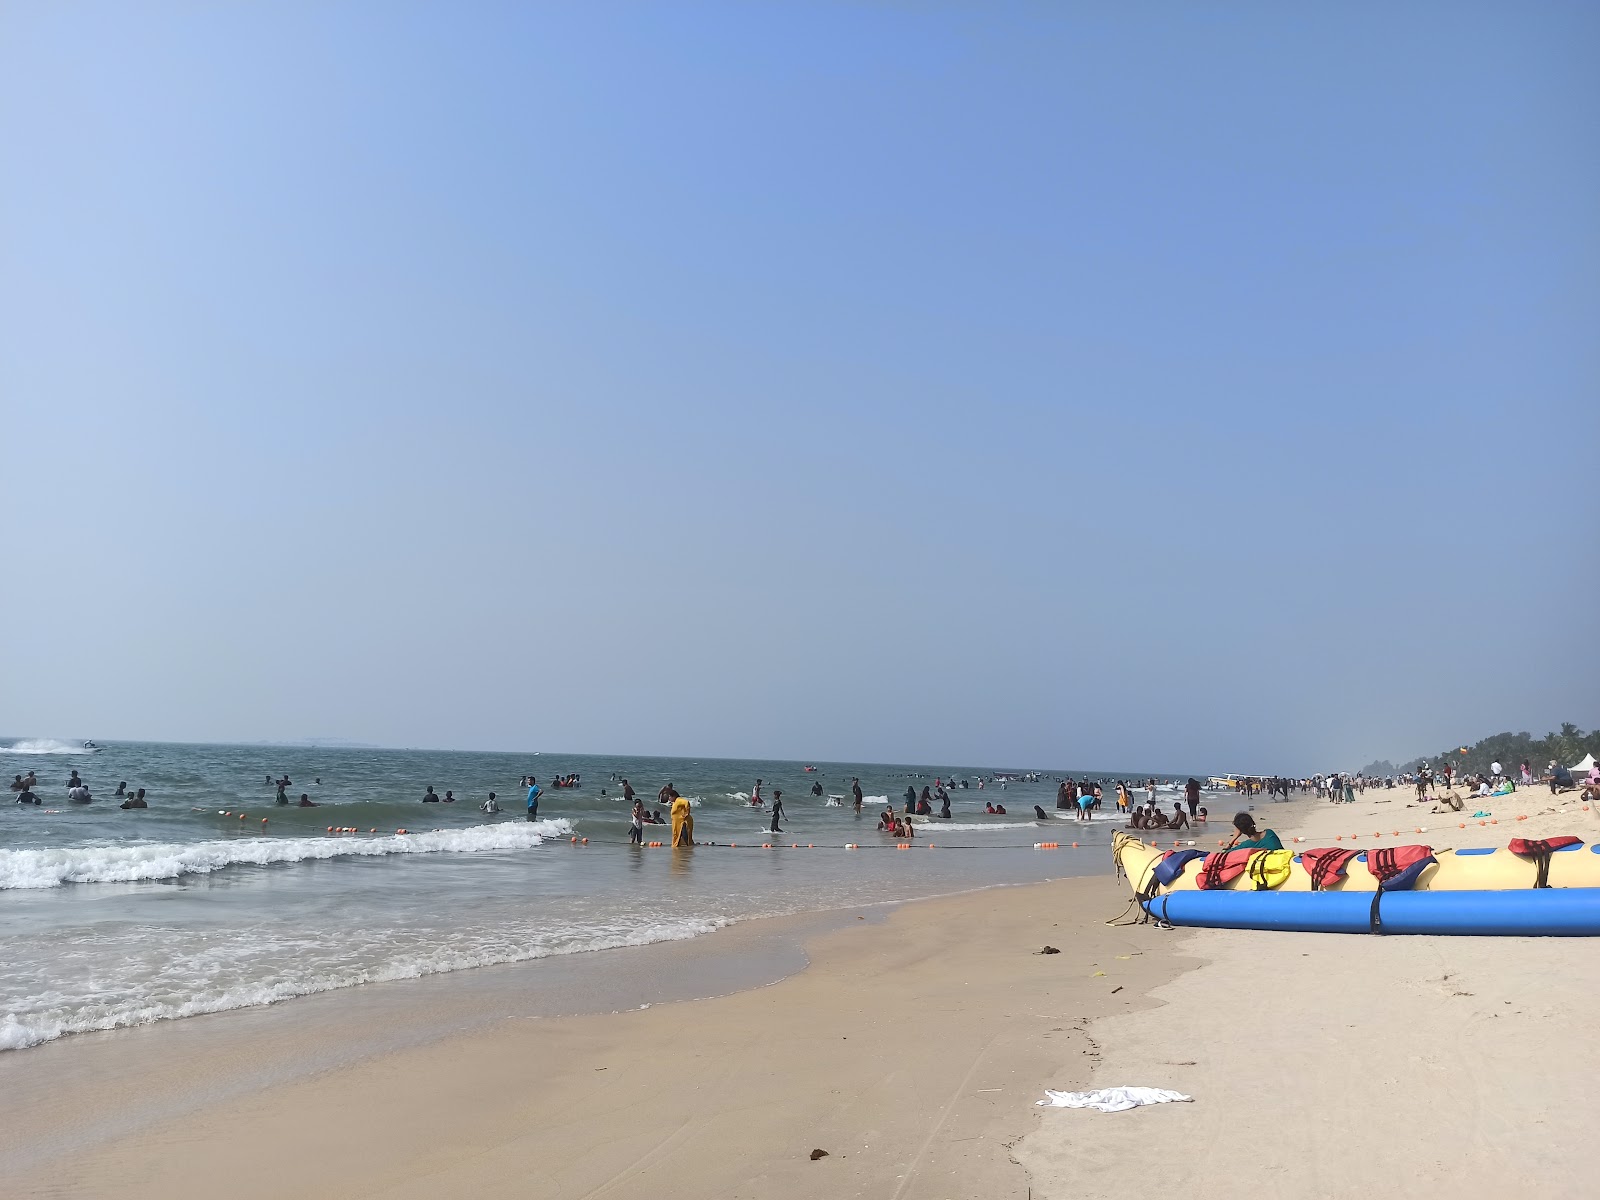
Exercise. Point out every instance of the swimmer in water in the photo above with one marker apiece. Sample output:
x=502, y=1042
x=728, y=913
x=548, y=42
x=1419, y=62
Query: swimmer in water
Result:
x=491, y=805
x=449, y=797
x=307, y=802
x=429, y=796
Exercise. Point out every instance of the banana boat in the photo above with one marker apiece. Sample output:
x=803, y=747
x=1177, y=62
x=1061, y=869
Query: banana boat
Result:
x=1528, y=888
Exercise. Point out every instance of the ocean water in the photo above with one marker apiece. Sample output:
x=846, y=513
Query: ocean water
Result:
x=112, y=918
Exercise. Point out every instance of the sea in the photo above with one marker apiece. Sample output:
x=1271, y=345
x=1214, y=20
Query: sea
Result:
x=217, y=898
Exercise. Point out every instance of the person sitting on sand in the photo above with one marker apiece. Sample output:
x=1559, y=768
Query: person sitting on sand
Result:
x=1200, y=817
x=1179, y=819
x=1248, y=837
x=1447, y=802
x=305, y=801
x=1154, y=818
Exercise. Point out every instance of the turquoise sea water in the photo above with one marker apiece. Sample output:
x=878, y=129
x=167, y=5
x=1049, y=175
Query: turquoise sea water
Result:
x=114, y=918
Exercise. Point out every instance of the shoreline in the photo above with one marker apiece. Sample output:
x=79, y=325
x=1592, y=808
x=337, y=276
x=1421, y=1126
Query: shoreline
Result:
x=705, y=1095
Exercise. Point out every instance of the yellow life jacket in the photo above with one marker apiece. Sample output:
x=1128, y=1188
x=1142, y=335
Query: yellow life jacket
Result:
x=1269, y=868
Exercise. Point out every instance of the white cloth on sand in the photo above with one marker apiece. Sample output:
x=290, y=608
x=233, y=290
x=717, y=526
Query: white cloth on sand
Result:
x=1116, y=1099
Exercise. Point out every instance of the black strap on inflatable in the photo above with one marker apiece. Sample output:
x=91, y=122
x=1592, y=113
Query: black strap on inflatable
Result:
x=1162, y=921
x=1374, y=921
x=1541, y=862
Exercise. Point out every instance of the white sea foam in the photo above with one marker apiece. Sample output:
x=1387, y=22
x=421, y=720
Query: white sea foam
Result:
x=44, y=746
x=120, y=863
x=49, y=1015
x=935, y=823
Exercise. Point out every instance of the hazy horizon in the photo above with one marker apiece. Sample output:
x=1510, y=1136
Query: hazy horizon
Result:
x=1004, y=384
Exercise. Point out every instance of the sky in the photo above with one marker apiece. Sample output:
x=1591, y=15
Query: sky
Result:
x=1165, y=386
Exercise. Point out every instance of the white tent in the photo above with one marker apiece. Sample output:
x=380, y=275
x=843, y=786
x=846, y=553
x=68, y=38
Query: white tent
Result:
x=1584, y=767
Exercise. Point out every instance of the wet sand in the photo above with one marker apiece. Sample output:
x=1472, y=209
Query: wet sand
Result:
x=911, y=1048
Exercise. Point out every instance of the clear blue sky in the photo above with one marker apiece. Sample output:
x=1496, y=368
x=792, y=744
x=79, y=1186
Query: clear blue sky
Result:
x=1099, y=385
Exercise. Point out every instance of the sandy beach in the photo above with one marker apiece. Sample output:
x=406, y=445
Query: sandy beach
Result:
x=1333, y=1066
x=910, y=1044
x=911, y=1049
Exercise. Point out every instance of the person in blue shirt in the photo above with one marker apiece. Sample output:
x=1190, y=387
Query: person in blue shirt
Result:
x=533, y=798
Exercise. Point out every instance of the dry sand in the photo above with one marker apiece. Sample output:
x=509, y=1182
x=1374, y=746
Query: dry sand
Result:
x=912, y=1050
x=1333, y=1066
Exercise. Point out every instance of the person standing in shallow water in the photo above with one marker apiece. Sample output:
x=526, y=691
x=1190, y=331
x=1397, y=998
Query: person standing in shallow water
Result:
x=1191, y=795
x=777, y=809
x=855, y=794
x=534, y=792
x=682, y=821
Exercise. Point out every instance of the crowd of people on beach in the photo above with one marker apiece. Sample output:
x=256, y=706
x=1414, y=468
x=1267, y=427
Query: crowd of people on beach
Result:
x=1084, y=798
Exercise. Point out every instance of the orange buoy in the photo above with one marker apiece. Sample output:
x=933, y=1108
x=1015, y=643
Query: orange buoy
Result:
x=263, y=820
x=1074, y=845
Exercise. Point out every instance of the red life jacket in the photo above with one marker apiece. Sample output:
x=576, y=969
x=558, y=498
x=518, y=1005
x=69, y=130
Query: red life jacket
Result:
x=1532, y=846
x=1540, y=850
x=1222, y=868
x=1326, y=866
x=1396, y=868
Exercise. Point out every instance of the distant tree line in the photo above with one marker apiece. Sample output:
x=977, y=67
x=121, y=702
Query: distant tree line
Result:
x=1566, y=746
